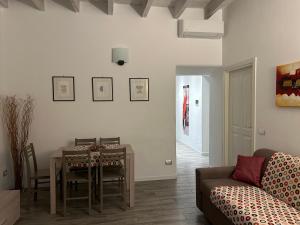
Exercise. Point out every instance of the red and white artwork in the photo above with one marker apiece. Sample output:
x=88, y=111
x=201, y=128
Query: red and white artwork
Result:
x=288, y=85
x=186, y=109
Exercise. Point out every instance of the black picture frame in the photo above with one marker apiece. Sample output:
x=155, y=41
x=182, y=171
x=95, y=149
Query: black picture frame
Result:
x=131, y=95
x=54, y=89
x=112, y=89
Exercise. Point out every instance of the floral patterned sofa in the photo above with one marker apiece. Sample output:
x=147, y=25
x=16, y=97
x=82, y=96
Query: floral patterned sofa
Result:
x=226, y=201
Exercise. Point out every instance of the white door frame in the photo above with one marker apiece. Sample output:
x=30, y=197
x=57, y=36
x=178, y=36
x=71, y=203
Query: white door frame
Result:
x=252, y=62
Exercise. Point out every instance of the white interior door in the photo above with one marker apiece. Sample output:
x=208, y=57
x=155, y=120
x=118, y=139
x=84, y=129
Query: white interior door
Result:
x=240, y=111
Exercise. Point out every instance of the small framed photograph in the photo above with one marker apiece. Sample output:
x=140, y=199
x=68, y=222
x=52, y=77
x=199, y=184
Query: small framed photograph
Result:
x=139, y=89
x=102, y=89
x=63, y=88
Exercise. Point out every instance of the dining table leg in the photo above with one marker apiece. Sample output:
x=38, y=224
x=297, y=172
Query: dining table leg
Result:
x=131, y=181
x=52, y=186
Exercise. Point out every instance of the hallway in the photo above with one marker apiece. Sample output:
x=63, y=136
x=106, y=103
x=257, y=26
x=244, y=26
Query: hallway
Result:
x=189, y=159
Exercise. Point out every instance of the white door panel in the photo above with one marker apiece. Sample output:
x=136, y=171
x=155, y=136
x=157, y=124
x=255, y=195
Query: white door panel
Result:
x=240, y=114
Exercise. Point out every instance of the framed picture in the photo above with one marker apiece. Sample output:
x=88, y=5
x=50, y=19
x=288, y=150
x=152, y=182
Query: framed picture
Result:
x=63, y=88
x=288, y=85
x=139, y=89
x=102, y=89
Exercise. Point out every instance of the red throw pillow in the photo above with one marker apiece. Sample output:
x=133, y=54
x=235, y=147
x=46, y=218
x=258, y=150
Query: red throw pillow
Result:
x=248, y=169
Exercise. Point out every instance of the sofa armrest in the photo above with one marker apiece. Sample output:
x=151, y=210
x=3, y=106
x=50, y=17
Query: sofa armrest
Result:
x=214, y=172
x=209, y=173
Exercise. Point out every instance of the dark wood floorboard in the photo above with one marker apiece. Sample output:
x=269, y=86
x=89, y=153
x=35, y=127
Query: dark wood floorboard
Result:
x=167, y=202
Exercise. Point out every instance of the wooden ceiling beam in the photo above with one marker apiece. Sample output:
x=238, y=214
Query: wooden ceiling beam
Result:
x=110, y=7
x=213, y=6
x=143, y=8
x=75, y=5
x=4, y=3
x=146, y=8
x=179, y=7
x=39, y=4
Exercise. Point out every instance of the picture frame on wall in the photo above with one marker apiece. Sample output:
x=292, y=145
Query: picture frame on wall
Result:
x=139, y=89
x=63, y=88
x=288, y=85
x=102, y=88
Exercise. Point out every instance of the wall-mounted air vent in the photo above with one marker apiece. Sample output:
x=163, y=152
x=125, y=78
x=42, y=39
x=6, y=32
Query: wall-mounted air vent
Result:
x=210, y=29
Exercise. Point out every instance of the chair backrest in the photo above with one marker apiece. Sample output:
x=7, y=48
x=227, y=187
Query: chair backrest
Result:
x=113, y=157
x=73, y=158
x=108, y=141
x=30, y=160
x=85, y=141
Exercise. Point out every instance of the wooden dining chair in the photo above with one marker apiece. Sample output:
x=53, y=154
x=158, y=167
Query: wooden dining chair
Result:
x=117, y=159
x=77, y=159
x=85, y=141
x=34, y=174
x=108, y=141
x=82, y=142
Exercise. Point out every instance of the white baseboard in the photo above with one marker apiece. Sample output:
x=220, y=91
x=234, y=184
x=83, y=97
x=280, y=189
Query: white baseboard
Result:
x=171, y=177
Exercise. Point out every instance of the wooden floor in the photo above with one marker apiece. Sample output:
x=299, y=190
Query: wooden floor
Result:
x=169, y=202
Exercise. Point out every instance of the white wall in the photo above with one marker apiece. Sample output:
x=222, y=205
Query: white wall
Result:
x=61, y=42
x=269, y=31
x=216, y=119
x=205, y=114
x=5, y=156
x=194, y=137
x=4, y=151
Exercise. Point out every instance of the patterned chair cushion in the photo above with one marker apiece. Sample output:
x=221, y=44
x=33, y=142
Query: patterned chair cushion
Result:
x=94, y=156
x=250, y=205
x=282, y=178
x=111, y=146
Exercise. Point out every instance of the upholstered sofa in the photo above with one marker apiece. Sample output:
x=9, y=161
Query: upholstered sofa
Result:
x=225, y=201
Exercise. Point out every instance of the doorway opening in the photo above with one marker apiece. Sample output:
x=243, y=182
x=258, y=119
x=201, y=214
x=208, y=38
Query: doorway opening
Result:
x=192, y=120
x=199, y=118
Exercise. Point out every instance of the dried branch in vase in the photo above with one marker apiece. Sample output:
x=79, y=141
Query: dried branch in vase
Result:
x=17, y=117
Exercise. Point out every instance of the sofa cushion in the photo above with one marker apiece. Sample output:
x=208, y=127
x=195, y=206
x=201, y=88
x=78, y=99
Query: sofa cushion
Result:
x=282, y=178
x=252, y=205
x=267, y=153
x=248, y=169
x=207, y=185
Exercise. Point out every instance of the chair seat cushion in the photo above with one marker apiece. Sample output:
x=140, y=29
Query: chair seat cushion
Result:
x=42, y=174
x=113, y=172
x=73, y=176
x=252, y=205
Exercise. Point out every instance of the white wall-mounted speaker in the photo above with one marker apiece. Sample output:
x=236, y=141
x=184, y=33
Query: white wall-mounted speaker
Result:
x=120, y=56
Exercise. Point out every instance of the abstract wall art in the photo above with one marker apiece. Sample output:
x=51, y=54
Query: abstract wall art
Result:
x=186, y=109
x=288, y=85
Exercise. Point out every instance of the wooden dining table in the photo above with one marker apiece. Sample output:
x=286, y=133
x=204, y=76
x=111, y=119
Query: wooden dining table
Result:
x=56, y=162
